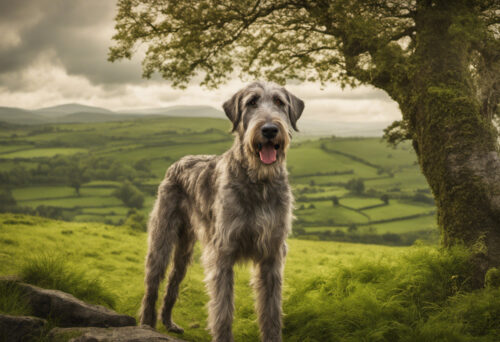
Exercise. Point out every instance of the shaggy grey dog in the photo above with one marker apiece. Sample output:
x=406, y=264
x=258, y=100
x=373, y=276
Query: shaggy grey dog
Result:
x=238, y=204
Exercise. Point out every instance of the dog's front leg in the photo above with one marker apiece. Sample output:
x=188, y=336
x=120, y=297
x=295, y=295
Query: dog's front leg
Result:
x=267, y=280
x=220, y=283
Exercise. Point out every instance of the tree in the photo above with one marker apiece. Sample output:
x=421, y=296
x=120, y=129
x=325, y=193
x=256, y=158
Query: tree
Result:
x=356, y=186
x=352, y=228
x=76, y=177
x=129, y=195
x=335, y=201
x=7, y=200
x=385, y=198
x=438, y=59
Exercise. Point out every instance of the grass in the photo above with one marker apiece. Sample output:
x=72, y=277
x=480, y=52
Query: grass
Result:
x=421, y=296
x=376, y=151
x=357, y=202
x=329, y=191
x=52, y=272
x=325, y=211
x=406, y=180
x=10, y=148
x=332, y=291
x=420, y=223
x=76, y=202
x=36, y=192
x=42, y=152
x=304, y=156
x=12, y=300
x=396, y=209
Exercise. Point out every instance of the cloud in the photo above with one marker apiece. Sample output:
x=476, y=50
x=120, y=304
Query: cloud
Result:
x=55, y=51
x=77, y=32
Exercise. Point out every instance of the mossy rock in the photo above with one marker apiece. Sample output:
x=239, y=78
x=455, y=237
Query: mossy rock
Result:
x=492, y=278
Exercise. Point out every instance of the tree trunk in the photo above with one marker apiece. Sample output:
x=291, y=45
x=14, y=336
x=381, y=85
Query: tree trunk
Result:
x=456, y=146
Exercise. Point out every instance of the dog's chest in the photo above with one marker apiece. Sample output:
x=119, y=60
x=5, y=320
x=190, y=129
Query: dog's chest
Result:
x=263, y=206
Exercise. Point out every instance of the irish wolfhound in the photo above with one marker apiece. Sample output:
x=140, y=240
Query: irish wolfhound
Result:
x=238, y=204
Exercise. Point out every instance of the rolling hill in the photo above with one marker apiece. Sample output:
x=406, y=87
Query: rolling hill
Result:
x=70, y=108
x=20, y=116
x=77, y=113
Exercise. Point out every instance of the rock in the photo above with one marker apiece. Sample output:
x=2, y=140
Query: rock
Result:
x=19, y=328
x=70, y=311
x=123, y=334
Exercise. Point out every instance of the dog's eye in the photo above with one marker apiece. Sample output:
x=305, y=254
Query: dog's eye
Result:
x=278, y=102
x=252, y=102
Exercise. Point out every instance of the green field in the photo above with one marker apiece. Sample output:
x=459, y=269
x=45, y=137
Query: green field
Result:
x=41, y=153
x=37, y=164
x=332, y=291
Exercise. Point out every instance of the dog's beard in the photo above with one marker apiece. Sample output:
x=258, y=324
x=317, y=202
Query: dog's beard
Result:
x=266, y=157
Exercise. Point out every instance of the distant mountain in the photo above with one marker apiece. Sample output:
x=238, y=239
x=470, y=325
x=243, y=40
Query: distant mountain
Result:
x=85, y=117
x=184, y=111
x=20, y=116
x=77, y=113
x=342, y=129
x=70, y=108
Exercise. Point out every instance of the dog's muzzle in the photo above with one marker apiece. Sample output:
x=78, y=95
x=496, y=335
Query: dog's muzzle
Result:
x=269, y=130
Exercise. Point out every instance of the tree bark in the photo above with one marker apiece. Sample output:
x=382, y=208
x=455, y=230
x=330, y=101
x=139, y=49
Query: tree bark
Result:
x=457, y=147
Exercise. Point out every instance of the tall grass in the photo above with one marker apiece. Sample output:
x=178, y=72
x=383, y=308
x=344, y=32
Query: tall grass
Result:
x=53, y=272
x=422, y=296
x=12, y=300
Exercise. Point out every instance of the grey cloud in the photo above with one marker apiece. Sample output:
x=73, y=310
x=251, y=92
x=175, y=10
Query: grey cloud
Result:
x=77, y=32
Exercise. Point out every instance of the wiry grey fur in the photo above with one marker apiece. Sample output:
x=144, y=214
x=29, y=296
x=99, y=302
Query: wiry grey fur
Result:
x=237, y=206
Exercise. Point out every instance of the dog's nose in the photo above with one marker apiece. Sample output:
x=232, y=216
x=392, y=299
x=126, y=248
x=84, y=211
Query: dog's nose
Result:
x=269, y=130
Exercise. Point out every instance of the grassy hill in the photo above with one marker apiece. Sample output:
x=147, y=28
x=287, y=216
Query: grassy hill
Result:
x=393, y=207
x=332, y=291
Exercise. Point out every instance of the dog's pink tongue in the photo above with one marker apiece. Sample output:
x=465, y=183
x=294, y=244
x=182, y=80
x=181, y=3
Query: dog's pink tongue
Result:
x=268, y=154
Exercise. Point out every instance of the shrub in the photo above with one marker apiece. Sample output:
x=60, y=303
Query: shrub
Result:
x=129, y=195
x=7, y=201
x=335, y=201
x=356, y=186
x=420, y=197
x=136, y=220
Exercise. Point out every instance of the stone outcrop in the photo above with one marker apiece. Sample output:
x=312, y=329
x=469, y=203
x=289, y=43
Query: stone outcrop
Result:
x=70, y=311
x=123, y=334
x=77, y=320
x=20, y=328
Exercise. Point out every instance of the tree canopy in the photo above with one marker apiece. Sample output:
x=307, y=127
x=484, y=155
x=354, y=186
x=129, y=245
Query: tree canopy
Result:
x=362, y=41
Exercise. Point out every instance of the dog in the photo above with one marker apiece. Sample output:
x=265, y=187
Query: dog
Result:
x=238, y=204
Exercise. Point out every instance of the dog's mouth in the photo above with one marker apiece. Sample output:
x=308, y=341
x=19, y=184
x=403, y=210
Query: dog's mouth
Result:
x=267, y=152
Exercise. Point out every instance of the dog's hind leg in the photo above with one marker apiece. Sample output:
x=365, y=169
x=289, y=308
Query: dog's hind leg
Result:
x=163, y=229
x=182, y=258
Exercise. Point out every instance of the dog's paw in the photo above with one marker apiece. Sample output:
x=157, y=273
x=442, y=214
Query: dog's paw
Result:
x=172, y=327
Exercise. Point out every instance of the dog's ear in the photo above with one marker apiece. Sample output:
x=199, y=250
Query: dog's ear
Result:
x=232, y=108
x=295, y=109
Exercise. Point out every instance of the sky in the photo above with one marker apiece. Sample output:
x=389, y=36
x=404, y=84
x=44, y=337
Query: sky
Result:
x=55, y=51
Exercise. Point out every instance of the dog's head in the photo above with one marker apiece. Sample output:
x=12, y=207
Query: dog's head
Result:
x=263, y=115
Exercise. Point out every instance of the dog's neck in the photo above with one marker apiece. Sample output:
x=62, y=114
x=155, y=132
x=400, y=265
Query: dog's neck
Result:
x=253, y=168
